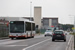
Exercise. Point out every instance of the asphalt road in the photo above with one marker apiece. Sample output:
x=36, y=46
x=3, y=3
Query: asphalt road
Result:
x=39, y=42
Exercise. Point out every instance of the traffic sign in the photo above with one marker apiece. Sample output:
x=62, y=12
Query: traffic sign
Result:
x=73, y=28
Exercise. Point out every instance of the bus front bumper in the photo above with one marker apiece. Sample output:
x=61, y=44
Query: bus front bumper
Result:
x=17, y=36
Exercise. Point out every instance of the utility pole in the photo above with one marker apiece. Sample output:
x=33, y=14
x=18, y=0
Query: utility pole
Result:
x=30, y=10
x=31, y=15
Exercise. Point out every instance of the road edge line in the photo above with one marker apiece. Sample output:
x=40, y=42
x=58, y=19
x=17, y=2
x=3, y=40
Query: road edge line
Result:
x=68, y=43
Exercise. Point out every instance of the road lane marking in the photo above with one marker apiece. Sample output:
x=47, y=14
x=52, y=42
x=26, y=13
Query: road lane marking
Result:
x=35, y=44
x=69, y=40
x=68, y=43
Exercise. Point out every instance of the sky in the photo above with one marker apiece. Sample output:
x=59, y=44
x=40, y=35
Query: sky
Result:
x=63, y=9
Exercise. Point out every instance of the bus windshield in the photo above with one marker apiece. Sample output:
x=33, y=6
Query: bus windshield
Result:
x=17, y=27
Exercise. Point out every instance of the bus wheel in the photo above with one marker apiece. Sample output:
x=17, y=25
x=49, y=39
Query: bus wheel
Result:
x=32, y=36
x=12, y=38
x=27, y=36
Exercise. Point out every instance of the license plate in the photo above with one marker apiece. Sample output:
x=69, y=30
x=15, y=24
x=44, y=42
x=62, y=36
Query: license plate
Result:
x=58, y=35
x=16, y=36
x=47, y=33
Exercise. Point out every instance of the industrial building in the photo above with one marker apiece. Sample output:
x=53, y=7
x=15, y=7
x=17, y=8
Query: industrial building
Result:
x=44, y=22
x=40, y=22
x=49, y=22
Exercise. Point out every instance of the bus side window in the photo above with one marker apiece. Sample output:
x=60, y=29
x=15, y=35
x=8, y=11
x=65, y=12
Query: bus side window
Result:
x=25, y=26
x=33, y=26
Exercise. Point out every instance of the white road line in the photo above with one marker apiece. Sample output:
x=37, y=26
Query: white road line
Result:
x=36, y=44
x=69, y=40
x=68, y=43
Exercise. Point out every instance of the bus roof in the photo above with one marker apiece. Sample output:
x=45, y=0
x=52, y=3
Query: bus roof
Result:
x=25, y=20
x=30, y=21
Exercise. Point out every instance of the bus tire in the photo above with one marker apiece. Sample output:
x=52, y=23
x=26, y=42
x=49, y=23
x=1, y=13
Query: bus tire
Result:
x=27, y=35
x=12, y=38
x=32, y=36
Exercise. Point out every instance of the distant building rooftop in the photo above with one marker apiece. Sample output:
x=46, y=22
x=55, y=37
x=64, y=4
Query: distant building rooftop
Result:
x=50, y=17
x=42, y=17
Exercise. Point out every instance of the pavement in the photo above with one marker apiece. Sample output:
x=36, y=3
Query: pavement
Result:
x=39, y=42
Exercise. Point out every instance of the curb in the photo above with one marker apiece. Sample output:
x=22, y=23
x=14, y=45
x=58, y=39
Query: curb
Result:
x=4, y=38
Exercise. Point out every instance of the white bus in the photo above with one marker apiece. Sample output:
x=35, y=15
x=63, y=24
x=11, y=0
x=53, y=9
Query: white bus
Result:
x=21, y=29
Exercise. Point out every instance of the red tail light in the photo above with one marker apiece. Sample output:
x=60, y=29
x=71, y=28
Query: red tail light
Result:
x=63, y=34
x=53, y=34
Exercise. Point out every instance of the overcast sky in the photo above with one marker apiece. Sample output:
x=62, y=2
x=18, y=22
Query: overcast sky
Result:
x=21, y=8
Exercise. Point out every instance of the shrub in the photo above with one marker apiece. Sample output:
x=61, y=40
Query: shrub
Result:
x=37, y=31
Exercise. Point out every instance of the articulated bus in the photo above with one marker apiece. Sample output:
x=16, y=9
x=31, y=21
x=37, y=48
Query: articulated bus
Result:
x=21, y=29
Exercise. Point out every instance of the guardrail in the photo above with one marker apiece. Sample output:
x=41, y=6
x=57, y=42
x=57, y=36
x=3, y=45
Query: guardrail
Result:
x=70, y=45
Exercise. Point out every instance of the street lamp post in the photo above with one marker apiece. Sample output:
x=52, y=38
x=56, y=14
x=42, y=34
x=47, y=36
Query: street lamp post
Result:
x=31, y=15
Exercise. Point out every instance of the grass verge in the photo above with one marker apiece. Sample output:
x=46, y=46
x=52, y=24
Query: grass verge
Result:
x=72, y=33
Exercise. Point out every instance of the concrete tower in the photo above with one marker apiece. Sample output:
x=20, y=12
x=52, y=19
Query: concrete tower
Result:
x=37, y=16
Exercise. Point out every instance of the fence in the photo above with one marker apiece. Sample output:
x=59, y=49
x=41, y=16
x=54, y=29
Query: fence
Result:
x=4, y=30
x=42, y=30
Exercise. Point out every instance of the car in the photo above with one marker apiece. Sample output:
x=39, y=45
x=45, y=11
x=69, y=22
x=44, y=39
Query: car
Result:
x=48, y=33
x=59, y=35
